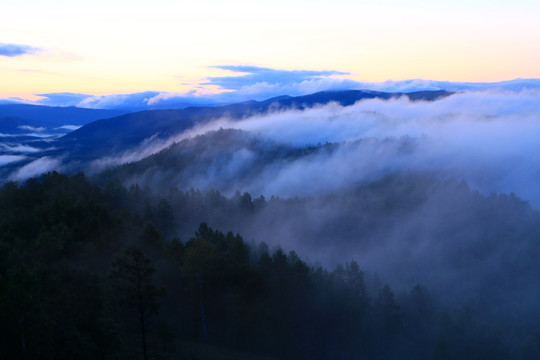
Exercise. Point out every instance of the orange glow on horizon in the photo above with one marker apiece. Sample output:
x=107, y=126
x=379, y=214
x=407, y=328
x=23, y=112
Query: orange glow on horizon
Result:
x=170, y=47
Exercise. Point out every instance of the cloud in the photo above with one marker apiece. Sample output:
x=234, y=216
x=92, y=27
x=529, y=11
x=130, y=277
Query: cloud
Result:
x=36, y=168
x=43, y=136
x=262, y=83
x=69, y=127
x=145, y=100
x=118, y=101
x=13, y=100
x=62, y=99
x=48, y=54
x=255, y=75
x=13, y=50
x=6, y=159
x=258, y=84
x=264, y=90
x=516, y=85
x=195, y=97
x=173, y=100
x=147, y=147
x=114, y=101
x=489, y=139
x=18, y=148
x=31, y=128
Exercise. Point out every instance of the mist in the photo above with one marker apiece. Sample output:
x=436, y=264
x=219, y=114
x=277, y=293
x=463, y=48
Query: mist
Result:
x=489, y=139
x=35, y=168
x=440, y=193
x=6, y=159
x=449, y=233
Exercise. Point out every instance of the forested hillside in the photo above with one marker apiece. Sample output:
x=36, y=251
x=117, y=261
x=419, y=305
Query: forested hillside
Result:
x=407, y=226
x=99, y=272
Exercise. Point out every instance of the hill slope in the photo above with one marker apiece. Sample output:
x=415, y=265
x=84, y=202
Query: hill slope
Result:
x=118, y=134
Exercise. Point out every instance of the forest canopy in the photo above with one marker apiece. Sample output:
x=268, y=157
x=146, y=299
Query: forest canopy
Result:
x=71, y=253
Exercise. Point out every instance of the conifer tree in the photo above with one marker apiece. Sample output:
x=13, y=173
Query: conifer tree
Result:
x=133, y=275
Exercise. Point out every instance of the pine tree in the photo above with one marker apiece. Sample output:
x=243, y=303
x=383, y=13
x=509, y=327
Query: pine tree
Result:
x=133, y=275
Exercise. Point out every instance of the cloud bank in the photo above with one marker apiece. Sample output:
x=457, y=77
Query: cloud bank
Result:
x=62, y=99
x=447, y=240
x=6, y=159
x=489, y=139
x=246, y=89
x=260, y=75
x=249, y=82
x=36, y=168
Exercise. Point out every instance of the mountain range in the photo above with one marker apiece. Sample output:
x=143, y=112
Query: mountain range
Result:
x=399, y=182
x=17, y=118
x=102, y=135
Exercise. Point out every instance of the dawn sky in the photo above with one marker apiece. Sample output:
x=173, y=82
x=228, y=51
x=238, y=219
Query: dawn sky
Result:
x=119, y=46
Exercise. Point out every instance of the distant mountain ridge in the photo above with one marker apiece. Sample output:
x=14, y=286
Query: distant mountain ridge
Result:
x=116, y=135
x=161, y=100
x=214, y=159
x=27, y=128
x=122, y=132
x=23, y=121
x=56, y=116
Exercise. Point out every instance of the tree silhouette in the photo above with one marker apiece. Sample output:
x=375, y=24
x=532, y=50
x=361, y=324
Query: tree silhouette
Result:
x=198, y=268
x=133, y=275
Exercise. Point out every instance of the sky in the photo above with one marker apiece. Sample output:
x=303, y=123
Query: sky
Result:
x=102, y=48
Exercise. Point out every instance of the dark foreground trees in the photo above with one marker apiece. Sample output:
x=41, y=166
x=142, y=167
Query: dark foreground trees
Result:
x=132, y=277
x=81, y=273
